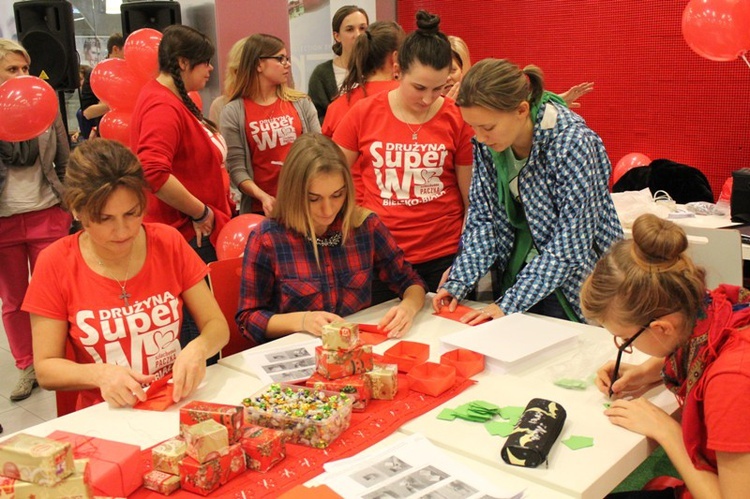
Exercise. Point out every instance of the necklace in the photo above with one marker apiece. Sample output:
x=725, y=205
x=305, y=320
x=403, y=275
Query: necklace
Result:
x=414, y=133
x=332, y=240
x=124, y=295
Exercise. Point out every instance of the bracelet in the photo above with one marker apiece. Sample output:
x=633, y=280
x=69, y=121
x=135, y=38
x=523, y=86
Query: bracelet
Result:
x=304, y=316
x=203, y=217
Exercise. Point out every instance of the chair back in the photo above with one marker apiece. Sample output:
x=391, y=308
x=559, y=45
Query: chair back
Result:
x=224, y=278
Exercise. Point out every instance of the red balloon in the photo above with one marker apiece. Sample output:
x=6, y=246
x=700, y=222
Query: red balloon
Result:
x=28, y=106
x=196, y=98
x=718, y=30
x=628, y=162
x=142, y=52
x=233, y=236
x=115, y=83
x=115, y=125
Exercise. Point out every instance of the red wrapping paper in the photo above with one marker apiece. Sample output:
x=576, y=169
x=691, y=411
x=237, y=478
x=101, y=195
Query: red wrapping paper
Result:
x=158, y=395
x=116, y=468
x=466, y=362
x=340, y=363
x=460, y=311
x=264, y=447
x=204, y=478
x=359, y=384
x=407, y=354
x=229, y=416
x=161, y=482
x=431, y=378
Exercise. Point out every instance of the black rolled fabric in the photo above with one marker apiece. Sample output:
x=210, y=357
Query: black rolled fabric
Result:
x=536, y=432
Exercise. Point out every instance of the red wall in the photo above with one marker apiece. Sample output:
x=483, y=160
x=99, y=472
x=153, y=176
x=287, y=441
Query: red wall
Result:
x=653, y=94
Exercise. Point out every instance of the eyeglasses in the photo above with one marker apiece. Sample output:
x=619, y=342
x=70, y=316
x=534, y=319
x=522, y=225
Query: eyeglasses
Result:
x=624, y=347
x=281, y=59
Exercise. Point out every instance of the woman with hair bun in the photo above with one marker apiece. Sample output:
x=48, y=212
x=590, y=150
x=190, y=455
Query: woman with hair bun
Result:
x=410, y=152
x=181, y=151
x=649, y=295
x=540, y=207
x=347, y=24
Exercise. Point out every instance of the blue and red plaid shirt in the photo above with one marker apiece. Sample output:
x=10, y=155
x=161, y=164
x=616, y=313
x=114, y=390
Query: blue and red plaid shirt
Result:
x=280, y=274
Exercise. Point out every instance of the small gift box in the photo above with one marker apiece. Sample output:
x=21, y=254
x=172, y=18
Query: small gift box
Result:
x=75, y=486
x=466, y=362
x=334, y=364
x=158, y=396
x=200, y=478
x=340, y=335
x=232, y=463
x=263, y=447
x=167, y=455
x=116, y=468
x=431, y=378
x=227, y=415
x=35, y=459
x=407, y=354
x=384, y=380
x=205, y=439
x=359, y=384
x=163, y=483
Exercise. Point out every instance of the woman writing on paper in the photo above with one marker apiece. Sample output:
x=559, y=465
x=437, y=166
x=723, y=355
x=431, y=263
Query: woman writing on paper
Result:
x=116, y=290
x=649, y=295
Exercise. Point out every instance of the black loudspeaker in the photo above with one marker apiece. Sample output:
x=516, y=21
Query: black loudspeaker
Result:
x=45, y=29
x=150, y=14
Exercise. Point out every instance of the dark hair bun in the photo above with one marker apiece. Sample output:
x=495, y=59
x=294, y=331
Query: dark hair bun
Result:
x=427, y=23
x=658, y=240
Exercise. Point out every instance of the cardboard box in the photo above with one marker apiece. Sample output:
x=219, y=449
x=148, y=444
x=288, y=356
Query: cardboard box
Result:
x=75, y=486
x=167, y=455
x=228, y=415
x=340, y=335
x=116, y=468
x=263, y=447
x=205, y=440
x=36, y=459
x=384, y=378
x=340, y=363
x=204, y=478
x=163, y=483
x=359, y=385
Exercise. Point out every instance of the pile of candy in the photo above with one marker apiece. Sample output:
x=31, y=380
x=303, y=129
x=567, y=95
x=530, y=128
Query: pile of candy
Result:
x=307, y=416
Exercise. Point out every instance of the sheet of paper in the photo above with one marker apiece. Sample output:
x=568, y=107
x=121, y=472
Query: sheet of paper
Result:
x=285, y=364
x=512, y=338
x=410, y=468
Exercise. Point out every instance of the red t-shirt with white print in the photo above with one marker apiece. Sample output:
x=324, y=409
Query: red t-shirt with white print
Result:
x=271, y=130
x=143, y=336
x=411, y=184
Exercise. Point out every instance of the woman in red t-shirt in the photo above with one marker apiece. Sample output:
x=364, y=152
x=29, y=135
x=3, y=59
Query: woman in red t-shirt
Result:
x=262, y=121
x=415, y=154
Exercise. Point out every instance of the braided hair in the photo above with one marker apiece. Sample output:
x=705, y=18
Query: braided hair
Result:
x=190, y=44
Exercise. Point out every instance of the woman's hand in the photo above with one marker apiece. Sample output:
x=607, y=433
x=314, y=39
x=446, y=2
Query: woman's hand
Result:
x=491, y=311
x=633, y=380
x=397, y=321
x=204, y=227
x=442, y=299
x=313, y=322
x=641, y=416
x=268, y=203
x=576, y=92
x=188, y=371
x=453, y=91
x=120, y=386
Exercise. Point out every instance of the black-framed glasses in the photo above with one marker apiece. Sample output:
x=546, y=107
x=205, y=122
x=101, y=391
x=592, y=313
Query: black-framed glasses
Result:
x=281, y=59
x=624, y=347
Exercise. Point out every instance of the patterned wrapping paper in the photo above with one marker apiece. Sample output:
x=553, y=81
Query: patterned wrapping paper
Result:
x=340, y=363
x=205, y=440
x=227, y=415
x=35, y=459
x=167, y=455
x=384, y=378
x=75, y=486
x=263, y=447
x=163, y=483
x=204, y=478
x=340, y=335
x=359, y=384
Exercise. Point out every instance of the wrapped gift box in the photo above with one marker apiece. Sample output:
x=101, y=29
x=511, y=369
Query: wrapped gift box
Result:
x=466, y=362
x=163, y=483
x=75, y=486
x=431, y=378
x=308, y=417
x=359, y=385
x=263, y=447
x=116, y=468
x=204, y=478
x=384, y=379
x=167, y=455
x=228, y=415
x=407, y=354
x=35, y=459
x=205, y=439
x=340, y=335
x=232, y=463
x=334, y=364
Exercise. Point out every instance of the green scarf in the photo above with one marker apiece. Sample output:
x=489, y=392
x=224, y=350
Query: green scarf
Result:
x=522, y=242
